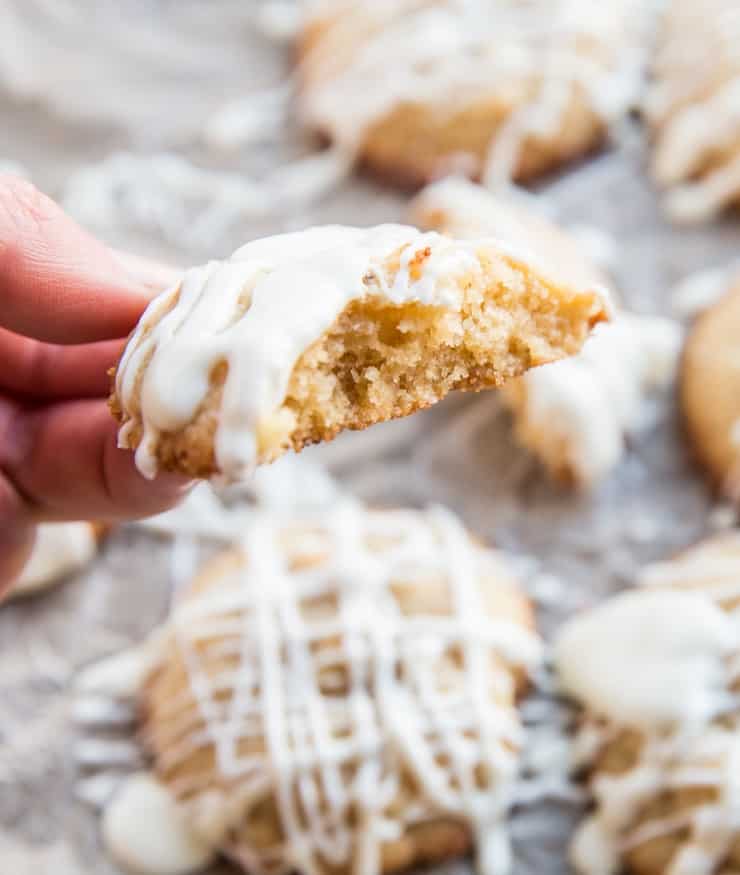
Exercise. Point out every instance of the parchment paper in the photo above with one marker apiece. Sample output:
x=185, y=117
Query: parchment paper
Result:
x=82, y=81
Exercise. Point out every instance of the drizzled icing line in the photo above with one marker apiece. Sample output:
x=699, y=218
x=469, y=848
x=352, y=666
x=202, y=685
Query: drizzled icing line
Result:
x=259, y=311
x=694, y=108
x=408, y=705
x=370, y=58
x=60, y=549
x=576, y=414
x=662, y=660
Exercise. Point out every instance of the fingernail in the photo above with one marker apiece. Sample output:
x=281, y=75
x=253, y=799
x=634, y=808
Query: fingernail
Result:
x=151, y=275
x=178, y=484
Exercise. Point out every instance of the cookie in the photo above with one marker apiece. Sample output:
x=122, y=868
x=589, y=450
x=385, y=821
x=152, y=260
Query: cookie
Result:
x=299, y=336
x=656, y=670
x=691, y=109
x=462, y=209
x=420, y=88
x=710, y=391
x=574, y=415
x=339, y=694
x=60, y=550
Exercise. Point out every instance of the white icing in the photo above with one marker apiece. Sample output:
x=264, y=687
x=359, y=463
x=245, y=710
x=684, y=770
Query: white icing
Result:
x=577, y=412
x=599, y=246
x=116, y=752
x=97, y=790
x=654, y=658
x=371, y=58
x=406, y=707
x=280, y=20
x=14, y=168
x=60, y=550
x=292, y=483
x=689, y=136
x=699, y=201
x=118, y=676
x=700, y=290
x=296, y=285
x=458, y=207
x=662, y=659
x=255, y=118
x=144, y=832
x=99, y=710
x=694, y=107
x=203, y=514
x=195, y=206
x=591, y=849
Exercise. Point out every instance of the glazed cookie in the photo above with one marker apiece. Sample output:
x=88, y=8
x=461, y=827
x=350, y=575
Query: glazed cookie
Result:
x=60, y=550
x=574, y=415
x=710, y=391
x=577, y=415
x=463, y=209
x=657, y=670
x=419, y=88
x=337, y=695
x=299, y=336
x=692, y=108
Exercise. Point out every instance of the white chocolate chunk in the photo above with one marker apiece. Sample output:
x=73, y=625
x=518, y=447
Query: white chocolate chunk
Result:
x=144, y=832
x=60, y=550
x=647, y=658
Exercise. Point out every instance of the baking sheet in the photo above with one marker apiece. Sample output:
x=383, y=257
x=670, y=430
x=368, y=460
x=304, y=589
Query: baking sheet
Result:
x=161, y=73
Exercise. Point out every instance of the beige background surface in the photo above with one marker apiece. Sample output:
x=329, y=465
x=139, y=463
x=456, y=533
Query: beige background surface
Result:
x=79, y=80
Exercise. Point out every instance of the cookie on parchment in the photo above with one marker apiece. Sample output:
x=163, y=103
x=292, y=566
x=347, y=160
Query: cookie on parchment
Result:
x=60, y=550
x=575, y=415
x=337, y=695
x=657, y=672
x=420, y=88
x=692, y=108
x=299, y=336
x=710, y=391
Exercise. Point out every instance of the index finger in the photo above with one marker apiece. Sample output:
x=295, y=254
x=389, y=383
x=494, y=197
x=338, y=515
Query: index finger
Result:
x=57, y=282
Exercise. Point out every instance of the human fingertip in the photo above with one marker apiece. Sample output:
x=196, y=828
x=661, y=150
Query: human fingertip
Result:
x=17, y=536
x=152, y=277
x=177, y=484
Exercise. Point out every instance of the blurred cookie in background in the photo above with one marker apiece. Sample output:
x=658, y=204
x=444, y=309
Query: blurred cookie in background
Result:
x=656, y=672
x=575, y=415
x=337, y=694
x=693, y=108
x=497, y=91
x=60, y=550
x=300, y=336
x=710, y=390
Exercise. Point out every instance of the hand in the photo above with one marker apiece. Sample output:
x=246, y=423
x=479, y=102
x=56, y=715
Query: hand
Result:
x=67, y=303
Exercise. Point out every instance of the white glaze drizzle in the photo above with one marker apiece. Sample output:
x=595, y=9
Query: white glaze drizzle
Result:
x=60, y=550
x=118, y=676
x=664, y=660
x=371, y=58
x=194, y=206
x=144, y=831
x=577, y=413
x=698, y=291
x=14, y=168
x=574, y=414
x=259, y=311
x=694, y=108
x=405, y=705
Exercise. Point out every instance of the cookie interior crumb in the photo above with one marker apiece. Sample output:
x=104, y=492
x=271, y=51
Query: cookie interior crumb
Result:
x=380, y=361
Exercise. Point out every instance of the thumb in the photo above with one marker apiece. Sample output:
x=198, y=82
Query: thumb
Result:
x=58, y=283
